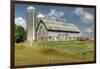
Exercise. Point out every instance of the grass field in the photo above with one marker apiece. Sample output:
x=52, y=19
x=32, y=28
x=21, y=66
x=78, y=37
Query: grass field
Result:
x=51, y=52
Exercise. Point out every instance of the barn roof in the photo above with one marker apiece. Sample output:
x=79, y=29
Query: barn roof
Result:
x=60, y=26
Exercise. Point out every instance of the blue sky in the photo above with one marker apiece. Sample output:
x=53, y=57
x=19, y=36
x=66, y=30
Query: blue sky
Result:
x=81, y=17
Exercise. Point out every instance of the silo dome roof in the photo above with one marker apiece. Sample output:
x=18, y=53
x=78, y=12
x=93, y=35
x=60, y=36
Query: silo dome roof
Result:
x=30, y=8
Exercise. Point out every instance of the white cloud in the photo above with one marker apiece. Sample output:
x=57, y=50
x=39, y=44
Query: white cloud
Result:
x=89, y=30
x=61, y=13
x=58, y=15
x=52, y=12
x=40, y=15
x=79, y=11
x=53, y=15
x=85, y=16
x=20, y=21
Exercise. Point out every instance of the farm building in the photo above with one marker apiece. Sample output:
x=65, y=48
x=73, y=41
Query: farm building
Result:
x=42, y=28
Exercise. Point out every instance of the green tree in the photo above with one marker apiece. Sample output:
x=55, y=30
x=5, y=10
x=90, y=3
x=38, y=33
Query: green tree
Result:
x=20, y=34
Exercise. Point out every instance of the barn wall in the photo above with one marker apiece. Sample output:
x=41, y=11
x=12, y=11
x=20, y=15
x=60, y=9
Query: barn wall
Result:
x=56, y=35
x=62, y=36
x=41, y=32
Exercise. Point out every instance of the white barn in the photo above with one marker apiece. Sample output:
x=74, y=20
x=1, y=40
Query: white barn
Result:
x=41, y=28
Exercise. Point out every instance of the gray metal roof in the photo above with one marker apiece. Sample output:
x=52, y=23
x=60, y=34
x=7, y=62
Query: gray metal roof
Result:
x=60, y=26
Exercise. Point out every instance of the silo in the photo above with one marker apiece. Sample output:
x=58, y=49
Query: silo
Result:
x=31, y=21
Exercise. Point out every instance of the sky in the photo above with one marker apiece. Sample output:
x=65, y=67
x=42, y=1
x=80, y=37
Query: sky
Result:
x=82, y=17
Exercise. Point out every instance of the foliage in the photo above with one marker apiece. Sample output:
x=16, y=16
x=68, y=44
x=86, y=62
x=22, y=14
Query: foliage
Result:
x=20, y=33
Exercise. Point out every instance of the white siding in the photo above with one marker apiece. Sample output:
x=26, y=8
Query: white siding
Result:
x=41, y=32
x=62, y=36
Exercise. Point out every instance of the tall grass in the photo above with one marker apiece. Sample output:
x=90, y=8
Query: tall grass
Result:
x=41, y=52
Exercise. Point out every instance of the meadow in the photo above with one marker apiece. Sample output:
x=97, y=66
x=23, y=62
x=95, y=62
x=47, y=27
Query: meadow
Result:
x=53, y=52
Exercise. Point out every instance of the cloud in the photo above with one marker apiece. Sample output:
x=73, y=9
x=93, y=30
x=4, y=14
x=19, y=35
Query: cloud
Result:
x=52, y=12
x=89, y=30
x=53, y=15
x=85, y=16
x=57, y=15
x=20, y=21
x=40, y=15
x=79, y=11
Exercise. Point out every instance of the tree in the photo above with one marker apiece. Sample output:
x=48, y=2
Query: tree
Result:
x=20, y=33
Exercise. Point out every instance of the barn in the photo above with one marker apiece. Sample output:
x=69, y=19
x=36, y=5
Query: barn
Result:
x=54, y=30
x=41, y=28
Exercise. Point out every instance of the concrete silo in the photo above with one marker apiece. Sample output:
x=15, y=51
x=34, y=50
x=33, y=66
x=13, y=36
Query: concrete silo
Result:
x=31, y=22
